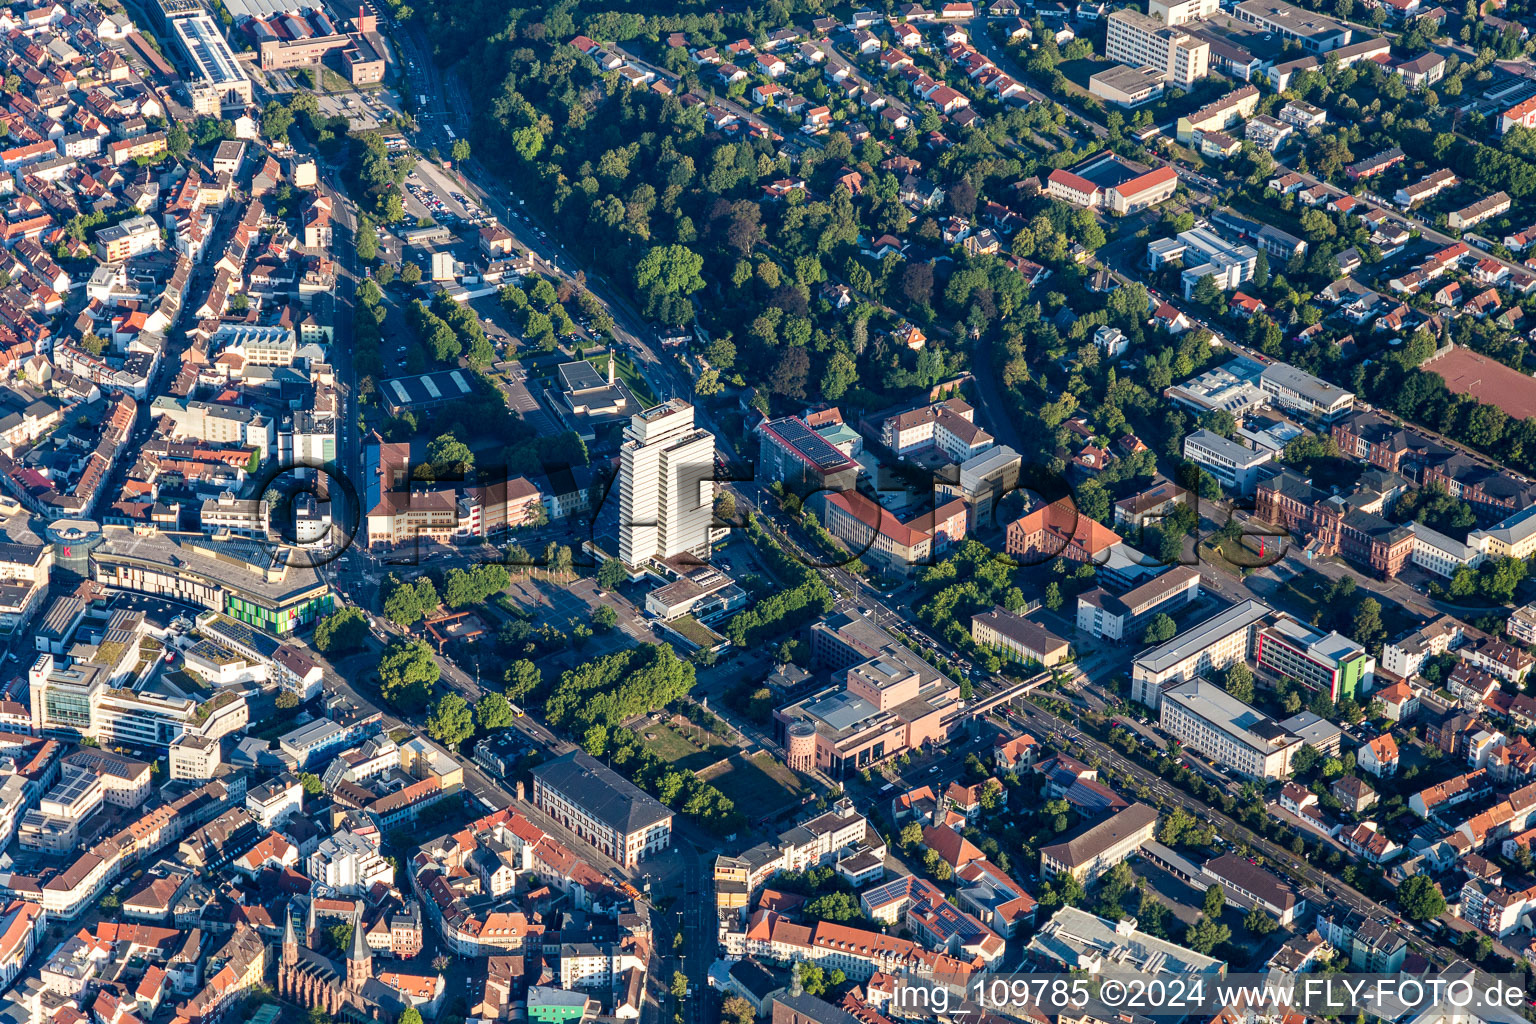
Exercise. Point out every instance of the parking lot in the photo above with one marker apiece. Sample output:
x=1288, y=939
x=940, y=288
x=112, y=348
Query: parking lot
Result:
x=432, y=191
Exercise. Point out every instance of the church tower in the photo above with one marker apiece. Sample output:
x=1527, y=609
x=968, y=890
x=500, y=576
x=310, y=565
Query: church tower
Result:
x=359, y=959
x=290, y=940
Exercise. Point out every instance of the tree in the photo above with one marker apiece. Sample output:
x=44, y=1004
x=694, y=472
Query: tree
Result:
x=448, y=458
x=410, y=273
x=406, y=604
x=840, y=375
x=276, y=119
x=409, y=1015
x=93, y=344
x=1207, y=293
x=407, y=673
x=604, y=617
x=1205, y=935
x=1420, y=898
x=1053, y=595
x=1215, y=899
x=451, y=722
x=669, y=270
x=736, y=1010
x=341, y=631
x=838, y=907
x=911, y=835
x=494, y=711
x=1366, y=628
x=1258, y=922
x=725, y=505
x=341, y=936
x=522, y=678
x=460, y=151
x=679, y=985
x=789, y=374
x=286, y=700
x=1160, y=629
x=1239, y=682
x=611, y=574
x=311, y=783
x=178, y=142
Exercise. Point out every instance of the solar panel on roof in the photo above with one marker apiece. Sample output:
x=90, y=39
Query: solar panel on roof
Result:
x=810, y=444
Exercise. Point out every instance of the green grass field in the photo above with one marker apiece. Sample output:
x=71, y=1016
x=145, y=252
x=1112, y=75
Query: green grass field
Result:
x=759, y=786
x=692, y=752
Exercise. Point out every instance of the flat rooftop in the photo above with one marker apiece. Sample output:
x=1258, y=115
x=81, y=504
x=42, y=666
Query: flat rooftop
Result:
x=239, y=565
x=1242, y=722
x=1203, y=635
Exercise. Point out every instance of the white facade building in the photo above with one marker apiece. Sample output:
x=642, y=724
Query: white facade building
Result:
x=666, y=485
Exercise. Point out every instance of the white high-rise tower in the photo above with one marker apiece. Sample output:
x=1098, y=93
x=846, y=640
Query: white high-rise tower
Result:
x=666, y=485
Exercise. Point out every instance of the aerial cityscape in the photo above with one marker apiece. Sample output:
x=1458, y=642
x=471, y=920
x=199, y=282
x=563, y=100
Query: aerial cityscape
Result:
x=717, y=512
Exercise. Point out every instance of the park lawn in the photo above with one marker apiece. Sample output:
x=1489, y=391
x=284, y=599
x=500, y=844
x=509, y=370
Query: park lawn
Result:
x=1077, y=72
x=760, y=786
x=695, y=751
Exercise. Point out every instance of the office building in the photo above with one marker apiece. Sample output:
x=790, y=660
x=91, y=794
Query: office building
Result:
x=603, y=807
x=1225, y=113
x=1204, y=254
x=873, y=534
x=1127, y=86
x=1236, y=467
x=1017, y=638
x=213, y=61
x=1316, y=33
x=1080, y=941
x=1329, y=662
x=1209, y=646
x=1255, y=886
x=1180, y=12
x=1512, y=537
x=802, y=459
x=826, y=838
x=195, y=757
x=1137, y=40
x=1299, y=391
x=666, y=485
x=982, y=481
x=1205, y=717
x=885, y=700
x=1100, y=846
x=1122, y=616
x=76, y=699
x=245, y=517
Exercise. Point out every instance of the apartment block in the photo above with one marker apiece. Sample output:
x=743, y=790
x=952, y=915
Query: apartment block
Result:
x=1138, y=40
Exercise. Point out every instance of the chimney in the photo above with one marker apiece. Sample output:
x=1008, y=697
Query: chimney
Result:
x=520, y=789
x=612, y=357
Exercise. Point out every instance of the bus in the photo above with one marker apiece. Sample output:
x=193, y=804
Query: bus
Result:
x=448, y=132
